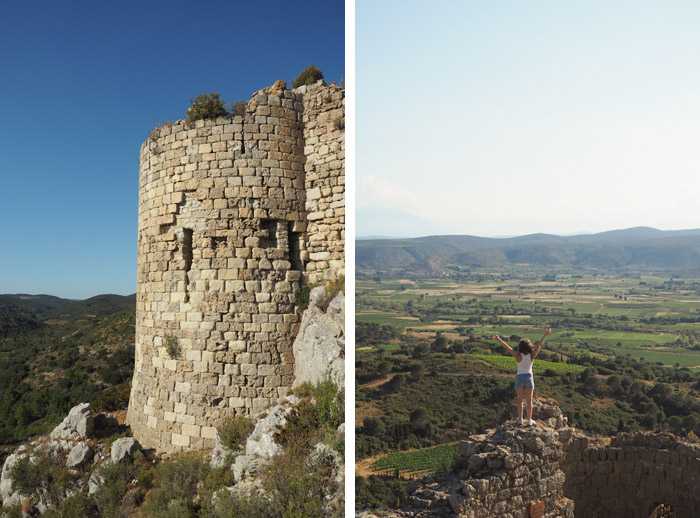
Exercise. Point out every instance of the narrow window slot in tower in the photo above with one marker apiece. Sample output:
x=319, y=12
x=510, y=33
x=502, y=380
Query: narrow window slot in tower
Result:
x=187, y=257
x=294, y=248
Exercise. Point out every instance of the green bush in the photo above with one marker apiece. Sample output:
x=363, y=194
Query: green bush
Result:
x=12, y=511
x=301, y=299
x=48, y=473
x=172, y=347
x=26, y=476
x=110, y=497
x=317, y=416
x=330, y=404
x=80, y=505
x=233, y=431
x=307, y=77
x=300, y=428
x=238, y=108
x=295, y=488
x=206, y=107
x=175, y=492
x=112, y=398
x=226, y=505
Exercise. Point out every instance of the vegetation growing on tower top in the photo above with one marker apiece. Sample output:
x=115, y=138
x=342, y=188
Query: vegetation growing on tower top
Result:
x=307, y=77
x=206, y=107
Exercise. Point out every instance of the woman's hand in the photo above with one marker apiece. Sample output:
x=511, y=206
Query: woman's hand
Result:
x=548, y=332
x=495, y=337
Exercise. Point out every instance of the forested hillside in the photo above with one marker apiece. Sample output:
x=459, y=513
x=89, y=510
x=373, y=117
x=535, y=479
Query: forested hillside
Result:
x=631, y=249
x=55, y=353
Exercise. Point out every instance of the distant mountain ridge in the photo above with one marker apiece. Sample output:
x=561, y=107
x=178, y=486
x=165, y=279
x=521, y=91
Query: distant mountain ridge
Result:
x=634, y=248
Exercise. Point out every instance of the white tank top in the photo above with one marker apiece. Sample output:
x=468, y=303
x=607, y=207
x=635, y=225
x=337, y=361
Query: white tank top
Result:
x=525, y=365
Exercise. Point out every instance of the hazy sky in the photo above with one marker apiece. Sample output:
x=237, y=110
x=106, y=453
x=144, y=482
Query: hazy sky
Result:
x=512, y=117
x=83, y=83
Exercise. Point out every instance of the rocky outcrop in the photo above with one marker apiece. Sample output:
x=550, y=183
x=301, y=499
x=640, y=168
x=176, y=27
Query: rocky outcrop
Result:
x=72, y=442
x=261, y=448
x=319, y=348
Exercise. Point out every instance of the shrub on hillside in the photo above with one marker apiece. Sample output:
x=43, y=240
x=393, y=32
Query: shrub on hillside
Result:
x=206, y=107
x=80, y=505
x=295, y=487
x=233, y=431
x=307, y=77
x=26, y=476
x=176, y=489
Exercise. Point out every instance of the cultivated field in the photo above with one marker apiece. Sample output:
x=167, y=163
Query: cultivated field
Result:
x=654, y=318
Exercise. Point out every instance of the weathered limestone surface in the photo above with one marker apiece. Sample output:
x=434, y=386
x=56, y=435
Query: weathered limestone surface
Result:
x=319, y=348
x=233, y=214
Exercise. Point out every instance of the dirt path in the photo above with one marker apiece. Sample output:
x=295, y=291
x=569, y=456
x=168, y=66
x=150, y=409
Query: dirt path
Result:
x=362, y=466
x=377, y=383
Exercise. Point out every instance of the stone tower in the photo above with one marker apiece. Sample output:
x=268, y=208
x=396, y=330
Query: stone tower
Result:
x=233, y=214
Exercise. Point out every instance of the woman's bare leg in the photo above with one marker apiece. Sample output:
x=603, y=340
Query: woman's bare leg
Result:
x=528, y=401
x=521, y=394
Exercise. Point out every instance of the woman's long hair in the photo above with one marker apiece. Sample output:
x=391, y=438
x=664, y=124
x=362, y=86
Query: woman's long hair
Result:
x=526, y=346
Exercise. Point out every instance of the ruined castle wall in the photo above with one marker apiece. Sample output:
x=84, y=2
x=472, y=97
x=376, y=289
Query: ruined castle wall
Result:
x=632, y=475
x=220, y=257
x=324, y=137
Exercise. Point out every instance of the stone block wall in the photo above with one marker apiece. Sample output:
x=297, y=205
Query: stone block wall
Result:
x=324, y=138
x=222, y=248
x=632, y=475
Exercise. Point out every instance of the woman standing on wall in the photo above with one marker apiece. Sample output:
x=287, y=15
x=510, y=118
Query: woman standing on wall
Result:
x=524, y=382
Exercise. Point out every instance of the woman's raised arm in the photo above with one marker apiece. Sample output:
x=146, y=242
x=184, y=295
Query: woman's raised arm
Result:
x=547, y=332
x=513, y=353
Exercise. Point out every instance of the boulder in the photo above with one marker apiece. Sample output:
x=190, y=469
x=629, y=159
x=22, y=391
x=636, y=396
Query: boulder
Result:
x=78, y=423
x=95, y=482
x=319, y=348
x=123, y=448
x=79, y=455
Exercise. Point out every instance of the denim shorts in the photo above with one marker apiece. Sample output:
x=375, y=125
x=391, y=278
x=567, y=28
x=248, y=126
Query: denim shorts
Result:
x=524, y=381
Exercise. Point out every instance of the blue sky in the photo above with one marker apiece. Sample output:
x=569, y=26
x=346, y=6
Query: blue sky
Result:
x=511, y=117
x=83, y=83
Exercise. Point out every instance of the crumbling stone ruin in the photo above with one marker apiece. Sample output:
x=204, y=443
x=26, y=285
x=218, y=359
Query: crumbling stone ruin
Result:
x=233, y=214
x=550, y=470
